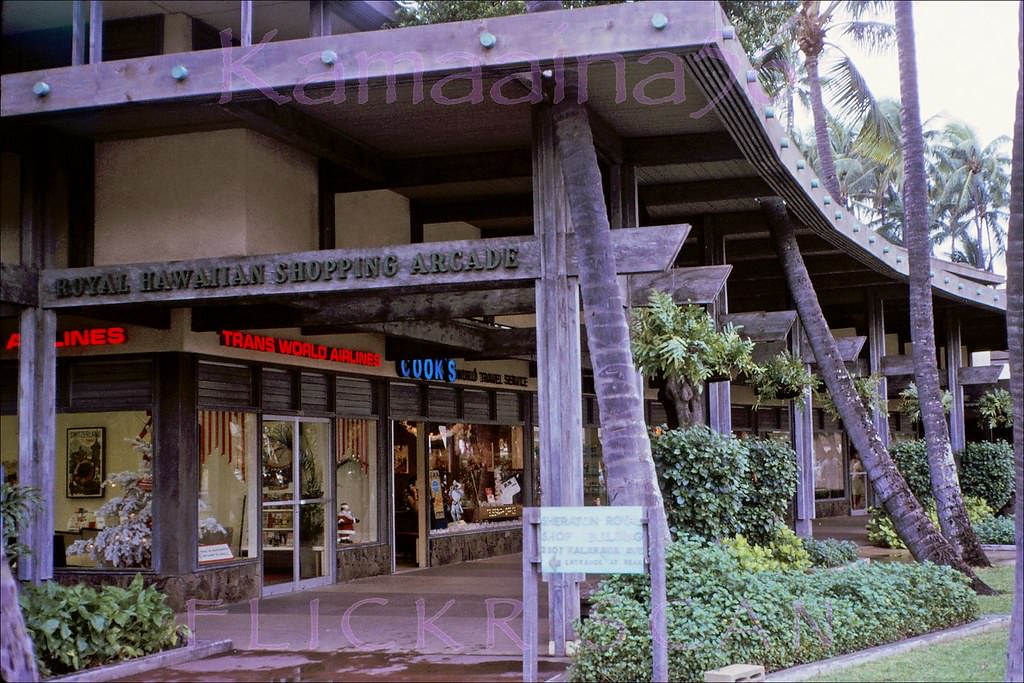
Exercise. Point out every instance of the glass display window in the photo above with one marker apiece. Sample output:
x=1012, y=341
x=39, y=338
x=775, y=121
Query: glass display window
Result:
x=228, y=475
x=356, y=481
x=829, y=478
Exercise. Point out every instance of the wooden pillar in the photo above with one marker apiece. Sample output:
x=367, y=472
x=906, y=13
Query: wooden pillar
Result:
x=175, y=466
x=246, y=30
x=559, y=383
x=77, y=32
x=319, y=18
x=37, y=429
x=801, y=429
x=95, y=32
x=876, y=350
x=957, y=433
x=623, y=209
x=719, y=398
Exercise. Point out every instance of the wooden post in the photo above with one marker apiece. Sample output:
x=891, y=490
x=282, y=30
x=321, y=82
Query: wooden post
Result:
x=77, y=32
x=319, y=18
x=246, y=37
x=175, y=473
x=659, y=596
x=559, y=384
x=95, y=31
x=531, y=557
x=719, y=399
x=801, y=429
x=37, y=430
x=876, y=351
x=957, y=433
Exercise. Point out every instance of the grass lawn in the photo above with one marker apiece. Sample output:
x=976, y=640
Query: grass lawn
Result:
x=977, y=658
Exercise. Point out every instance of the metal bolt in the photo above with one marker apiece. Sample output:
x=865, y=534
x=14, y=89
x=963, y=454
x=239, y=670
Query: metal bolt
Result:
x=885, y=250
x=801, y=164
x=871, y=239
x=899, y=259
x=179, y=72
x=945, y=280
x=659, y=21
x=826, y=201
x=41, y=89
x=728, y=32
x=960, y=286
x=784, y=143
x=328, y=57
x=769, y=112
x=751, y=76
x=488, y=39
x=814, y=182
x=856, y=229
x=839, y=215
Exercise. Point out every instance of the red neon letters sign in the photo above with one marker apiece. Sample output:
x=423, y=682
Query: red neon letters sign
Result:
x=96, y=336
x=299, y=349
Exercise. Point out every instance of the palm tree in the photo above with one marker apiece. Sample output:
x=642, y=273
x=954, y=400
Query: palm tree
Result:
x=1015, y=335
x=945, y=487
x=810, y=27
x=626, y=448
x=912, y=524
x=972, y=189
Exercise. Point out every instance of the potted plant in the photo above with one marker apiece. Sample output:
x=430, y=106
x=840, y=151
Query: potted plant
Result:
x=784, y=376
x=681, y=347
x=996, y=408
x=910, y=406
x=867, y=388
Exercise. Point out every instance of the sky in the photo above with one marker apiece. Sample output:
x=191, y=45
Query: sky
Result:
x=966, y=60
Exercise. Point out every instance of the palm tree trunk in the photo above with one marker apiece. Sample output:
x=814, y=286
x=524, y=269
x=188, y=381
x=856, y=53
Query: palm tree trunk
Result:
x=17, y=663
x=912, y=524
x=821, y=137
x=625, y=445
x=945, y=486
x=1015, y=335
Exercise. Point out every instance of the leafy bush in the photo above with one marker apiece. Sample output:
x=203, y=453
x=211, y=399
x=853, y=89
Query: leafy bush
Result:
x=911, y=458
x=986, y=471
x=719, y=614
x=995, y=530
x=910, y=406
x=868, y=389
x=785, y=551
x=882, y=531
x=717, y=486
x=76, y=627
x=771, y=484
x=996, y=408
x=17, y=503
x=783, y=376
x=703, y=480
x=830, y=552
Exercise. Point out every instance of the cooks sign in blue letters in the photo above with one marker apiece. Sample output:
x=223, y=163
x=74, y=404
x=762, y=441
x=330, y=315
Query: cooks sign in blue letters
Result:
x=435, y=369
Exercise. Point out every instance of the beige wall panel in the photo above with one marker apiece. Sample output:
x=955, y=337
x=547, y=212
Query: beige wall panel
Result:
x=440, y=232
x=280, y=197
x=371, y=219
x=171, y=197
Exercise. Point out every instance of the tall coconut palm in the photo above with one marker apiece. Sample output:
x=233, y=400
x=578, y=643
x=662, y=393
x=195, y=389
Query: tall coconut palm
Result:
x=972, y=188
x=626, y=448
x=912, y=524
x=810, y=27
x=1015, y=335
x=945, y=487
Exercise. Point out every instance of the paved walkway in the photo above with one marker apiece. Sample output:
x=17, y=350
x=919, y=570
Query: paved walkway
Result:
x=457, y=622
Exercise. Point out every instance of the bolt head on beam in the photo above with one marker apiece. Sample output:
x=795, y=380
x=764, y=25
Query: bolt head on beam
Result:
x=751, y=76
x=659, y=21
x=814, y=182
x=328, y=57
x=179, y=72
x=784, y=143
x=488, y=39
x=827, y=201
x=728, y=32
x=801, y=164
x=41, y=89
x=769, y=112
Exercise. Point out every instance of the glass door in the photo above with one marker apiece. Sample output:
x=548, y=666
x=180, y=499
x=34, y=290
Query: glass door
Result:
x=297, y=551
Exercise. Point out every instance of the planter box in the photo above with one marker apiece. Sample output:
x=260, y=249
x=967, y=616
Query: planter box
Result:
x=157, y=660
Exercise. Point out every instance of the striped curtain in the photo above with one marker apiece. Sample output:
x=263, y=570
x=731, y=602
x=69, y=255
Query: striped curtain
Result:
x=354, y=441
x=222, y=432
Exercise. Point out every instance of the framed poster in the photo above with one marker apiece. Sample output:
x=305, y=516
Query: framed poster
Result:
x=86, y=462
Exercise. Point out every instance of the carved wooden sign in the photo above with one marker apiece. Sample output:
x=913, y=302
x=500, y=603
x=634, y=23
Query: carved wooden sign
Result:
x=414, y=266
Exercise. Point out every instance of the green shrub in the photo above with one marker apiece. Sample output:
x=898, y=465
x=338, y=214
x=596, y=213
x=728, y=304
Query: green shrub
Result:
x=996, y=408
x=77, y=627
x=882, y=531
x=830, y=552
x=995, y=530
x=719, y=614
x=911, y=458
x=771, y=484
x=986, y=471
x=785, y=551
x=703, y=480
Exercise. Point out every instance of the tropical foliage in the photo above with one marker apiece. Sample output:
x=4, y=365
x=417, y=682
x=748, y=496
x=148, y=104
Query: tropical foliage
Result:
x=996, y=408
x=909, y=404
x=783, y=376
x=868, y=389
x=17, y=504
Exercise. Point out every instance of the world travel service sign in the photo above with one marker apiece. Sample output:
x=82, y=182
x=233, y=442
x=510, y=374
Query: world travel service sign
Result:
x=306, y=272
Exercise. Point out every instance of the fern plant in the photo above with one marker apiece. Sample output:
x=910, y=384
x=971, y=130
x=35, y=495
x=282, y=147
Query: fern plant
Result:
x=868, y=389
x=910, y=405
x=783, y=376
x=996, y=408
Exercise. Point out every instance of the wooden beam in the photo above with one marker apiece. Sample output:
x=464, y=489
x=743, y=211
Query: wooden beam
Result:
x=499, y=262
x=980, y=374
x=703, y=191
x=894, y=366
x=450, y=334
x=694, y=148
x=762, y=326
x=293, y=127
x=19, y=284
x=849, y=349
x=698, y=285
x=497, y=206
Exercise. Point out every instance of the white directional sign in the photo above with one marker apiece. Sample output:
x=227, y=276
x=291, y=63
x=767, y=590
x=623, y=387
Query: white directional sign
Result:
x=592, y=540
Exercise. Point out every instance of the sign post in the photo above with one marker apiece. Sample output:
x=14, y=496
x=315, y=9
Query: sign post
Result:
x=595, y=540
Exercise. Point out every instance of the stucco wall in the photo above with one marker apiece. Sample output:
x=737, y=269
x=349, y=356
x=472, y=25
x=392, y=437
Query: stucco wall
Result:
x=371, y=219
x=220, y=193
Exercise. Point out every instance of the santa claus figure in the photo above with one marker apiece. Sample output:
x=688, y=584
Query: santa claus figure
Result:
x=346, y=524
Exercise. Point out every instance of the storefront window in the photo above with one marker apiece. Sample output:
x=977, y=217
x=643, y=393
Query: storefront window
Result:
x=356, y=465
x=228, y=473
x=104, y=490
x=828, y=465
x=475, y=474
